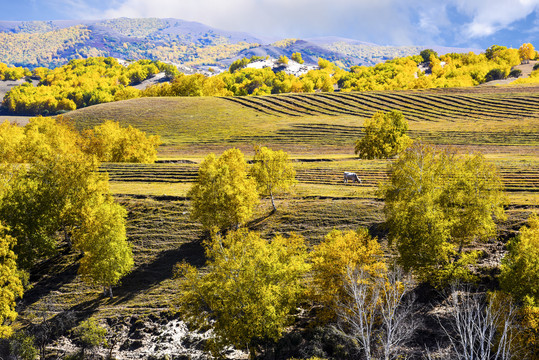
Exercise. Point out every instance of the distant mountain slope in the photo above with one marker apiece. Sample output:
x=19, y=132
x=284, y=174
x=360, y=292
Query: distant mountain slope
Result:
x=54, y=43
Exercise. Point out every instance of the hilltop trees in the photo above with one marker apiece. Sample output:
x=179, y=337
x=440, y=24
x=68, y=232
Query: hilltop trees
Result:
x=426, y=55
x=223, y=196
x=385, y=136
x=248, y=290
x=272, y=171
x=526, y=52
x=494, y=51
x=78, y=84
x=111, y=142
x=437, y=203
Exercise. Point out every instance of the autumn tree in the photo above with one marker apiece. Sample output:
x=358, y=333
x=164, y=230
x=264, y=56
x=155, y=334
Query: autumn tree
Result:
x=90, y=334
x=113, y=143
x=223, y=196
x=438, y=203
x=494, y=51
x=107, y=256
x=520, y=267
x=427, y=53
x=27, y=208
x=47, y=138
x=520, y=278
x=282, y=60
x=248, y=290
x=385, y=136
x=11, y=140
x=10, y=283
x=526, y=52
x=43, y=203
x=377, y=311
x=272, y=171
x=297, y=57
x=334, y=256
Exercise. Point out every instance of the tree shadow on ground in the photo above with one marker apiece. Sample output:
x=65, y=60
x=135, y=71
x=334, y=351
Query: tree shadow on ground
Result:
x=258, y=223
x=161, y=268
x=50, y=275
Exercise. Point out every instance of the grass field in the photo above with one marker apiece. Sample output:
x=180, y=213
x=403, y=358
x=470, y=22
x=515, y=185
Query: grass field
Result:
x=319, y=131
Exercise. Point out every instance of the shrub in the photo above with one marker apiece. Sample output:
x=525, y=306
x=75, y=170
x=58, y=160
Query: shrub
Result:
x=495, y=74
x=515, y=73
x=23, y=346
x=90, y=334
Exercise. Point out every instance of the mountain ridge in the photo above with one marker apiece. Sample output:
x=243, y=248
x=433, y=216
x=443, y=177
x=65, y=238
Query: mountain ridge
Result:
x=55, y=42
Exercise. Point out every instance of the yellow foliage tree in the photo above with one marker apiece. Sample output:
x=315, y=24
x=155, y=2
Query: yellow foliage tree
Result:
x=520, y=277
x=223, y=196
x=436, y=204
x=248, y=290
x=520, y=267
x=385, y=136
x=11, y=140
x=10, y=283
x=113, y=143
x=46, y=138
x=102, y=239
x=526, y=52
x=272, y=171
x=333, y=257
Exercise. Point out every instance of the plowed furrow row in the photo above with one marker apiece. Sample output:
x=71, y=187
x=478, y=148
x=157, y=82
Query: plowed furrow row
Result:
x=274, y=103
x=301, y=103
x=324, y=103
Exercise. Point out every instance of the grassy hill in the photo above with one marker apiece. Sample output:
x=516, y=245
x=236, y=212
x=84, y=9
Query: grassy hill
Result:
x=319, y=131
x=465, y=116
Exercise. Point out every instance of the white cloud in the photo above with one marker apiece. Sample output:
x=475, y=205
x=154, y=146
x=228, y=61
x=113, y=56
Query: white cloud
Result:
x=381, y=21
x=490, y=16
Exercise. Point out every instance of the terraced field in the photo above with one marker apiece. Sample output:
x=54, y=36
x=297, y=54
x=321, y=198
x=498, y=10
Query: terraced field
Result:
x=426, y=105
x=516, y=177
x=469, y=116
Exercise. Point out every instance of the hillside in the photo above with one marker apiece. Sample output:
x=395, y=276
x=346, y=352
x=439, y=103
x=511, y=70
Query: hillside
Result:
x=319, y=131
x=468, y=114
x=54, y=43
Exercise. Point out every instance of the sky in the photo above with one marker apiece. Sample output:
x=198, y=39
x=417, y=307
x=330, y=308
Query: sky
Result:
x=459, y=23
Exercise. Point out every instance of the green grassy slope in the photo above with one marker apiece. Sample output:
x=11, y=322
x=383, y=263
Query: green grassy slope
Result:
x=473, y=116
